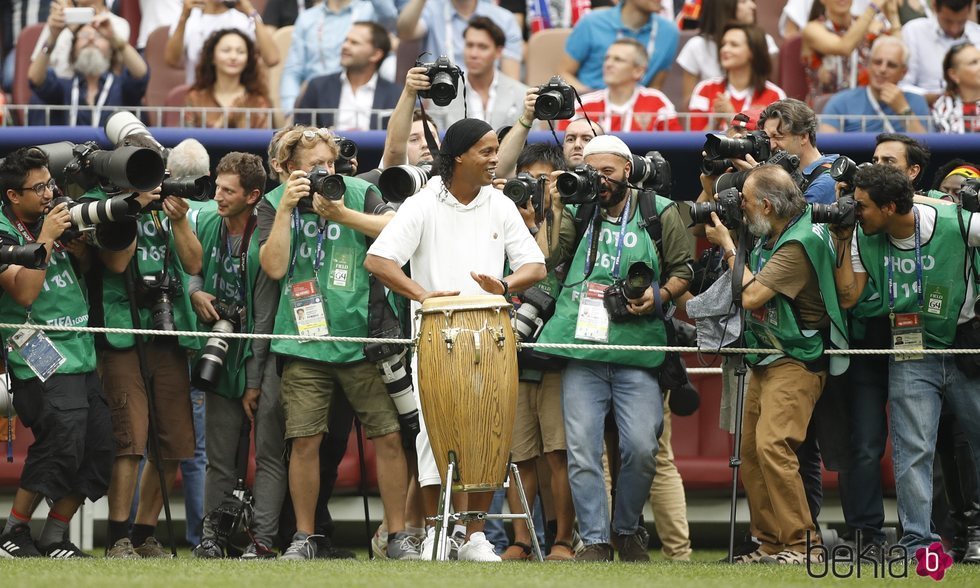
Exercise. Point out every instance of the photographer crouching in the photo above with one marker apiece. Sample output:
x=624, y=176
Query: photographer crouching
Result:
x=617, y=282
x=795, y=310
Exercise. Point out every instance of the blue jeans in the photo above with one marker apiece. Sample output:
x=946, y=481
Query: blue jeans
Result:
x=192, y=471
x=589, y=390
x=915, y=397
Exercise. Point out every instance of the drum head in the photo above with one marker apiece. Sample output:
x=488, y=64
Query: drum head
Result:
x=444, y=303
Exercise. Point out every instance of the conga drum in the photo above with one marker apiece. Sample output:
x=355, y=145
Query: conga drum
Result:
x=467, y=374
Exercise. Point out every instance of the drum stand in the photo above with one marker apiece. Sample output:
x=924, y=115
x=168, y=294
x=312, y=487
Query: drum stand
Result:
x=445, y=519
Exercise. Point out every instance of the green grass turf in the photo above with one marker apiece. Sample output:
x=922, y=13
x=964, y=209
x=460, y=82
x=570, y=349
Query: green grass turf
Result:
x=185, y=572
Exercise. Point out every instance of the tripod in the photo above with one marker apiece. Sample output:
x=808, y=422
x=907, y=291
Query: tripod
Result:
x=735, y=461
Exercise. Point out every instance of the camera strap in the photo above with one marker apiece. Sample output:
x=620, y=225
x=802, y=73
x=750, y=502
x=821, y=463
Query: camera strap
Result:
x=99, y=103
x=28, y=235
x=225, y=239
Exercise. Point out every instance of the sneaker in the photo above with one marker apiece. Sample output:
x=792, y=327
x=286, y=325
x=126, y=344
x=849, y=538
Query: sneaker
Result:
x=303, y=547
x=456, y=541
x=754, y=557
x=208, y=549
x=64, y=550
x=788, y=556
x=18, y=543
x=633, y=547
x=403, y=546
x=151, y=549
x=379, y=543
x=256, y=550
x=326, y=550
x=122, y=549
x=478, y=549
x=595, y=552
x=428, y=544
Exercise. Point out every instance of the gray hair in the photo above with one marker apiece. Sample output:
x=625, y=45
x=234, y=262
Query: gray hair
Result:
x=886, y=40
x=773, y=183
x=189, y=158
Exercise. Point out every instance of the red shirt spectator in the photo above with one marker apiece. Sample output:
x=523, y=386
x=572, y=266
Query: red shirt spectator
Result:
x=745, y=101
x=646, y=110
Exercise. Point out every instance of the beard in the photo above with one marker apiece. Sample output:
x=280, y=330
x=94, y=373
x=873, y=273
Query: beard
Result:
x=91, y=62
x=616, y=195
x=759, y=226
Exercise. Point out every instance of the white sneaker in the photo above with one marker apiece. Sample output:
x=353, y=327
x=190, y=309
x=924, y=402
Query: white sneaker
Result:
x=428, y=544
x=478, y=549
x=379, y=543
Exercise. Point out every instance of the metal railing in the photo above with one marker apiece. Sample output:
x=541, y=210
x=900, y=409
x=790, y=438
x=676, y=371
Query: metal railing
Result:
x=176, y=116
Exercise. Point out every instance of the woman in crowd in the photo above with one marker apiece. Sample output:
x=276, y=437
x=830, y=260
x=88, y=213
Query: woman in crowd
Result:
x=836, y=46
x=699, y=56
x=228, y=78
x=745, y=88
x=958, y=110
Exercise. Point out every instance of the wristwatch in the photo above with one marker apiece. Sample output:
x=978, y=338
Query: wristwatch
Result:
x=728, y=253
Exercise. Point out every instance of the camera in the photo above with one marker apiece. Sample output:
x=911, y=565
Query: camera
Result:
x=969, y=194
x=638, y=278
x=30, y=256
x=207, y=372
x=842, y=212
x=715, y=167
x=555, y=101
x=651, y=172
x=537, y=306
x=399, y=182
x=393, y=365
x=347, y=151
x=756, y=144
x=88, y=167
x=728, y=207
x=322, y=182
x=190, y=187
x=579, y=186
x=526, y=188
x=156, y=296
x=443, y=80
x=784, y=159
x=85, y=215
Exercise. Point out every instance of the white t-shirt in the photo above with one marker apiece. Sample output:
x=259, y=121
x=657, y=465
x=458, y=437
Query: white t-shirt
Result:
x=927, y=224
x=699, y=56
x=200, y=26
x=155, y=14
x=445, y=240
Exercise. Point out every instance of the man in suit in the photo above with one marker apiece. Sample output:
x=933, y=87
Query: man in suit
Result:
x=353, y=96
x=490, y=95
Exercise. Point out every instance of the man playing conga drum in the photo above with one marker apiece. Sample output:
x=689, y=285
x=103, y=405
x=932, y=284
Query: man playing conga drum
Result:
x=457, y=232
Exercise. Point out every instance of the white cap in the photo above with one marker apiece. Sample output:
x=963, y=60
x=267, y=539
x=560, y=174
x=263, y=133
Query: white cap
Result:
x=608, y=144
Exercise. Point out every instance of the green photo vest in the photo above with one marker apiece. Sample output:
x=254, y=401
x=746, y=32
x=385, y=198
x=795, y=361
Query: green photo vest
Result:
x=221, y=270
x=62, y=301
x=944, y=275
x=641, y=330
x=777, y=324
x=346, y=300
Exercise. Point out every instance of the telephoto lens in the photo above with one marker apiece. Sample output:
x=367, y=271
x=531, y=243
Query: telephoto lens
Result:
x=639, y=277
x=30, y=256
x=207, y=372
x=399, y=182
x=162, y=313
x=537, y=306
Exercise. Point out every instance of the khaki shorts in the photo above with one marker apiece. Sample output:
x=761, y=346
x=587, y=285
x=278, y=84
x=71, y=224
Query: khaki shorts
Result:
x=126, y=393
x=539, y=427
x=309, y=386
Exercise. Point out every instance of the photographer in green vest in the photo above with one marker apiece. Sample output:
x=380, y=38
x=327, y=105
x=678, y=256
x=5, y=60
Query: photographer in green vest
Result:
x=791, y=305
x=911, y=262
x=316, y=247
x=56, y=391
x=156, y=284
x=237, y=296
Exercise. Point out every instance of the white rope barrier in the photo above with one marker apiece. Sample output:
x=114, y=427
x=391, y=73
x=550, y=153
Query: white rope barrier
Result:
x=649, y=348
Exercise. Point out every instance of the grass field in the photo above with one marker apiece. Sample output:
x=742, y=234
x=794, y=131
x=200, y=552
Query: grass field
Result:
x=188, y=573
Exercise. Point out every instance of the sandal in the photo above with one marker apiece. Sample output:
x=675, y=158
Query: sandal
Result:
x=517, y=551
x=561, y=551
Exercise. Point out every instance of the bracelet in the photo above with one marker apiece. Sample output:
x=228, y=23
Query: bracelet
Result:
x=874, y=7
x=254, y=15
x=670, y=295
x=906, y=112
x=520, y=120
x=534, y=230
x=506, y=287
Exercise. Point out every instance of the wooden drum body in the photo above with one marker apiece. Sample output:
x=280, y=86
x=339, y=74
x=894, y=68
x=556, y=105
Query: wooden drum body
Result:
x=467, y=374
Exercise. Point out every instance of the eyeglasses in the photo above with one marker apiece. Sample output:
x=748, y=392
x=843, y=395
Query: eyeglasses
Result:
x=40, y=187
x=323, y=133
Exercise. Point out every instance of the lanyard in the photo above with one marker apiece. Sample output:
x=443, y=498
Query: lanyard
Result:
x=651, y=41
x=97, y=109
x=918, y=268
x=589, y=261
x=242, y=254
x=626, y=118
x=297, y=233
x=28, y=235
x=877, y=108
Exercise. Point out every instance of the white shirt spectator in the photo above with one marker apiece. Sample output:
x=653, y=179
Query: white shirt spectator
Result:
x=155, y=14
x=354, y=109
x=200, y=26
x=699, y=56
x=928, y=44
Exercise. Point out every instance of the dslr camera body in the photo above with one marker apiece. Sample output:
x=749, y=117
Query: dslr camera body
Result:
x=728, y=207
x=322, y=182
x=537, y=306
x=231, y=318
x=651, y=172
x=843, y=212
x=524, y=188
x=616, y=299
x=444, y=79
x=555, y=101
x=720, y=150
x=580, y=185
x=969, y=194
x=157, y=295
x=346, y=153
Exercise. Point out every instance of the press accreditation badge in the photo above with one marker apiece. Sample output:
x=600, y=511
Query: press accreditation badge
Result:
x=38, y=352
x=907, y=335
x=937, y=299
x=593, y=320
x=309, y=309
x=342, y=269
